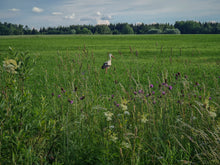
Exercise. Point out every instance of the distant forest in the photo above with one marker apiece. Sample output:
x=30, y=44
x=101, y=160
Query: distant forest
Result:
x=180, y=27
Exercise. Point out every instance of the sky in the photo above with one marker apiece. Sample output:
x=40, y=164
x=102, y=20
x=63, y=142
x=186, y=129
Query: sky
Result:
x=54, y=13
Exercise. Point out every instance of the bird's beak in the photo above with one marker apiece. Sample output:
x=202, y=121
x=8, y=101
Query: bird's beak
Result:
x=113, y=56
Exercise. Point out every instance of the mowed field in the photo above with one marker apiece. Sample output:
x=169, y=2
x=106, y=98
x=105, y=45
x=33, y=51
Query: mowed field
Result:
x=157, y=104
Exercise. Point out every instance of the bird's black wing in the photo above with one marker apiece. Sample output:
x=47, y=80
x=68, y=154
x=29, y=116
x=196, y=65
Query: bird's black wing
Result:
x=105, y=65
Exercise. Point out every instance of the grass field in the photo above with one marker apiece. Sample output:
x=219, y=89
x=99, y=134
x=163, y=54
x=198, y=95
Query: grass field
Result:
x=158, y=103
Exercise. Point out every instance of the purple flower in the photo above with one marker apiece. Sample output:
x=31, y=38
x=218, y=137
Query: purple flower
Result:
x=117, y=105
x=210, y=98
x=52, y=94
x=70, y=101
x=141, y=91
x=59, y=96
x=153, y=92
x=170, y=87
x=163, y=93
x=135, y=92
x=151, y=85
x=154, y=102
x=113, y=96
x=83, y=97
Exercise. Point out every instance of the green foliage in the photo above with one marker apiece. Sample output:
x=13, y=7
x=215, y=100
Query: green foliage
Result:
x=185, y=27
x=171, y=31
x=154, y=31
x=127, y=29
x=157, y=104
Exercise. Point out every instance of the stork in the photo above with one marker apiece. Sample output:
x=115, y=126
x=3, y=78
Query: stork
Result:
x=108, y=63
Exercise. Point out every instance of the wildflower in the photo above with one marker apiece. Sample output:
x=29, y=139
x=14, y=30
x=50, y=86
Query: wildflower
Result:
x=212, y=114
x=151, y=85
x=59, y=96
x=108, y=116
x=210, y=98
x=70, y=101
x=126, y=113
x=126, y=145
x=153, y=92
x=124, y=107
x=197, y=84
x=163, y=93
x=113, y=138
x=10, y=66
x=117, y=105
x=135, y=93
x=170, y=87
x=82, y=98
x=144, y=119
x=154, y=102
x=111, y=126
x=113, y=96
x=52, y=94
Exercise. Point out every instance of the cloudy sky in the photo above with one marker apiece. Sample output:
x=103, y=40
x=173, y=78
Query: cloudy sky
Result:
x=45, y=13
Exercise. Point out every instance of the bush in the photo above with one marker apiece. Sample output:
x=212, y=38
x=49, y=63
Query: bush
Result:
x=172, y=31
x=154, y=31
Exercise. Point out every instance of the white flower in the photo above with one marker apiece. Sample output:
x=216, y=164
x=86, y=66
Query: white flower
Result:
x=212, y=114
x=124, y=107
x=10, y=65
x=126, y=145
x=144, y=119
x=113, y=138
x=111, y=126
x=108, y=116
x=126, y=113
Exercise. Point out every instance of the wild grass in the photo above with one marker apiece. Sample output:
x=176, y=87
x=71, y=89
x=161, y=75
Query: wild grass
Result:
x=158, y=103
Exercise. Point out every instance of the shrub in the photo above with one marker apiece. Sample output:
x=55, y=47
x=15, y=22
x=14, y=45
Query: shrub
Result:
x=154, y=31
x=172, y=31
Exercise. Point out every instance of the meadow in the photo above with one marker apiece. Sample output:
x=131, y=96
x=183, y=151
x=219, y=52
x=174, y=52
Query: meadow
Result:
x=157, y=104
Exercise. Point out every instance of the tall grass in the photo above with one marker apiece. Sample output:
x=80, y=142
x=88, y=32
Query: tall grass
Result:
x=161, y=111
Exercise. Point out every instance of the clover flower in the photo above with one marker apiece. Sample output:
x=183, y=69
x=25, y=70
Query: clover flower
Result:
x=151, y=85
x=170, y=87
x=163, y=93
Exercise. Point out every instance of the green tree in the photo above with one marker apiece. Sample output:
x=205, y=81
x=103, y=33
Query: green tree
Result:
x=127, y=29
x=103, y=29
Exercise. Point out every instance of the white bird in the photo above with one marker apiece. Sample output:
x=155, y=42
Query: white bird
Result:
x=108, y=63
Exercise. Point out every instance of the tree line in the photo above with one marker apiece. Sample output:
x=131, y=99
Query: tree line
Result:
x=180, y=27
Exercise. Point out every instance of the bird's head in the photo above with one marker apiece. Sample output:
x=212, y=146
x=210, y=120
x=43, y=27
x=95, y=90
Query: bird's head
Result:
x=110, y=55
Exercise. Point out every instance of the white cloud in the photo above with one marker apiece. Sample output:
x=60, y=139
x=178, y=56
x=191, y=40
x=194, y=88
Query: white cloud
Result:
x=98, y=13
x=103, y=22
x=70, y=16
x=37, y=10
x=57, y=13
x=14, y=9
